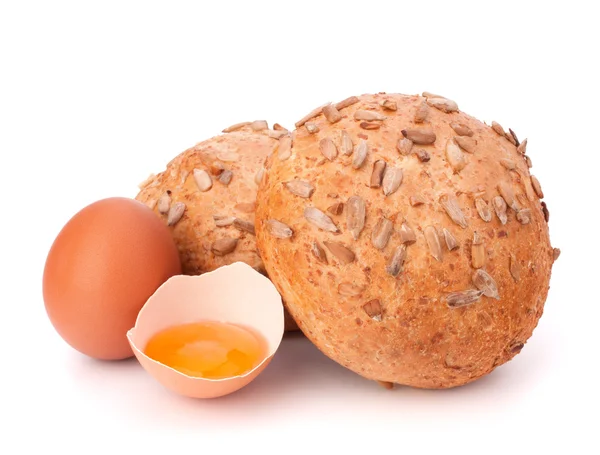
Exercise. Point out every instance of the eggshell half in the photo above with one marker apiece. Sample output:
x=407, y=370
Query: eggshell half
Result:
x=235, y=294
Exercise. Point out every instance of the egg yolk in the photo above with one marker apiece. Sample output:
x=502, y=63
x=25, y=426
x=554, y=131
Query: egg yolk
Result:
x=212, y=350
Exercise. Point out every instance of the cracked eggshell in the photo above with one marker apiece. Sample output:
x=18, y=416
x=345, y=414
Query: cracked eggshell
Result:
x=235, y=294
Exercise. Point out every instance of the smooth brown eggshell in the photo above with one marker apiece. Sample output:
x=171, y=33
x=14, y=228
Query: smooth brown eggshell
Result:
x=235, y=294
x=102, y=267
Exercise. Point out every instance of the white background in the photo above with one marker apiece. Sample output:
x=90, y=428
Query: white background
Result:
x=95, y=98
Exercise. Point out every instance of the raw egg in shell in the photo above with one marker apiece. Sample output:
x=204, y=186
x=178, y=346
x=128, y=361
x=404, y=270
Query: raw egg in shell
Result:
x=209, y=335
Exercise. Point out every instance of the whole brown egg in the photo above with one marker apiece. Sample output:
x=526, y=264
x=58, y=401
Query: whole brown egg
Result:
x=104, y=264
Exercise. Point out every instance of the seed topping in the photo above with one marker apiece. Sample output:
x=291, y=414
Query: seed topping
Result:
x=485, y=283
x=392, y=178
x=346, y=102
x=336, y=209
x=404, y=146
x=164, y=202
x=279, y=230
x=451, y=242
x=433, y=241
x=455, y=156
x=422, y=112
x=483, y=209
x=316, y=217
x=498, y=129
x=500, y=208
x=244, y=225
x=311, y=127
x=416, y=200
x=360, y=154
x=369, y=116
x=522, y=148
x=421, y=136
x=461, y=298
x=396, y=263
x=343, y=254
x=328, y=148
x=461, y=129
x=300, y=188
x=346, y=145
x=237, y=126
x=224, y=246
x=284, y=150
x=225, y=177
x=223, y=220
x=466, y=143
x=443, y=104
x=508, y=164
x=373, y=309
x=477, y=251
x=524, y=216
x=202, y=179
x=515, y=269
x=331, y=113
x=318, y=252
x=175, y=213
x=407, y=235
x=381, y=233
x=537, y=187
x=355, y=215
x=453, y=210
x=370, y=125
x=377, y=174
x=389, y=105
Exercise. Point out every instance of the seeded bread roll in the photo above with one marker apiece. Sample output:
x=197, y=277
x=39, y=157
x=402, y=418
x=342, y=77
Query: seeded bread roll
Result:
x=407, y=238
x=207, y=196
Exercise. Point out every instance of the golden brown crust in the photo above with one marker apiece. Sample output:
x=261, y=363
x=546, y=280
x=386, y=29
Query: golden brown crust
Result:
x=402, y=329
x=203, y=245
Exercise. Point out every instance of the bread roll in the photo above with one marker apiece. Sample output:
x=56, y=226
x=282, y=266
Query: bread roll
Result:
x=407, y=238
x=207, y=197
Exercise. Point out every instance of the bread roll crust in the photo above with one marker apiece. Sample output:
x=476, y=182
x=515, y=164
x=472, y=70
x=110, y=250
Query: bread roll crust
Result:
x=230, y=199
x=408, y=328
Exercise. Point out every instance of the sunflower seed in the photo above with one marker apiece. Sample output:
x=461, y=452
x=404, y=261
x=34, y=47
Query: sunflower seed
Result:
x=423, y=155
x=422, y=136
x=396, y=263
x=279, y=229
x=537, y=187
x=407, y=235
x=461, y=129
x=312, y=114
x=508, y=164
x=485, y=283
x=164, y=202
x=369, y=116
x=340, y=251
x=483, y=209
x=377, y=174
x=477, y=251
x=524, y=216
x=451, y=242
x=345, y=103
x=515, y=269
x=389, y=105
x=331, y=113
x=202, y=179
x=223, y=220
x=224, y=246
x=373, y=309
x=522, y=148
x=319, y=219
x=381, y=233
x=433, y=241
x=259, y=175
x=216, y=168
x=498, y=128
x=431, y=95
x=555, y=253
x=514, y=136
x=510, y=138
x=300, y=188
x=346, y=145
x=278, y=127
x=350, y=290
x=450, y=205
x=336, y=209
x=328, y=148
x=333, y=195
x=355, y=215
x=237, y=126
x=259, y=125
x=404, y=146
x=545, y=211
x=318, y=252
x=417, y=199
x=175, y=213
x=225, y=177
x=443, y=104
x=500, y=208
x=370, y=125
x=422, y=112
x=528, y=161
x=244, y=225
x=228, y=155
x=466, y=143
x=455, y=156
x=461, y=298
x=278, y=134
x=284, y=151
x=245, y=207
x=312, y=128
x=392, y=178
x=508, y=194
x=360, y=154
